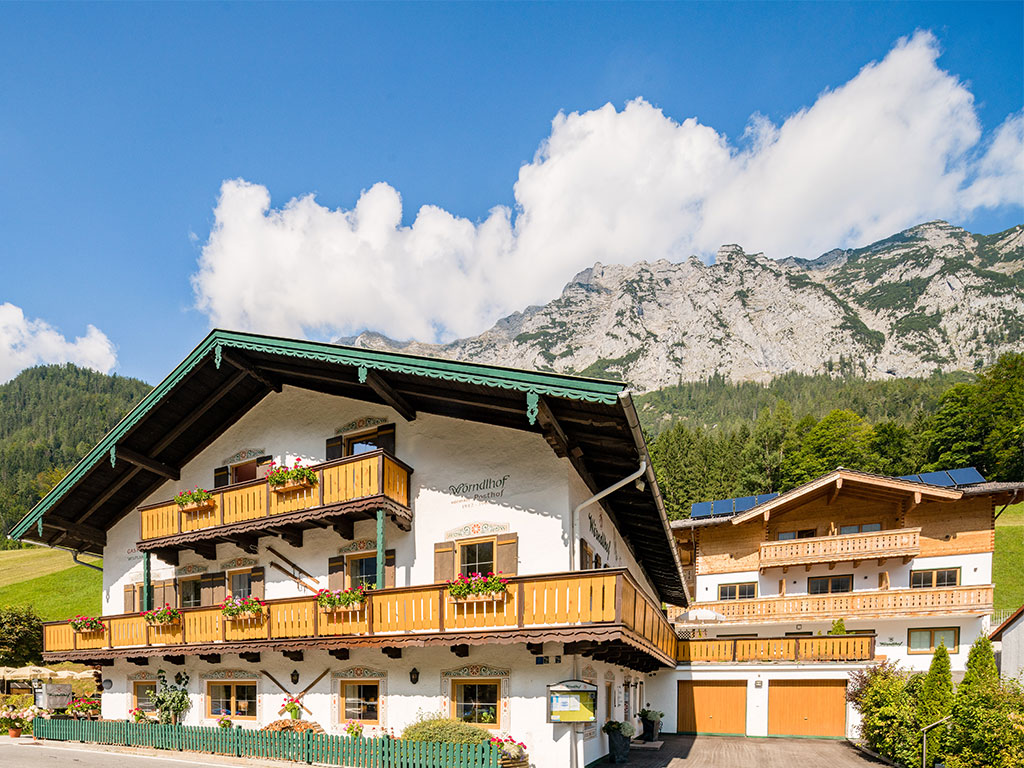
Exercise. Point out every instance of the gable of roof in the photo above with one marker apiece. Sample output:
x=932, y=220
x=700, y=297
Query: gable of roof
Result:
x=229, y=372
x=1010, y=620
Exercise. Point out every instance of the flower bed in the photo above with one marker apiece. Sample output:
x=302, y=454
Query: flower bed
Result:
x=242, y=608
x=477, y=587
x=331, y=601
x=86, y=624
x=162, y=616
x=284, y=478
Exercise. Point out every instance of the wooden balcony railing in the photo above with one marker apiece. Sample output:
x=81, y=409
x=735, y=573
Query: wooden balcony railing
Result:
x=744, y=649
x=608, y=596
x=865, y=604
x=354, y=477
x=904, y=542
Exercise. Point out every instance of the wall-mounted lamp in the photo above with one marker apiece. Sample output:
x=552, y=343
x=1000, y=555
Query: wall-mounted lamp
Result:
x=295, y=677
x=414, y=675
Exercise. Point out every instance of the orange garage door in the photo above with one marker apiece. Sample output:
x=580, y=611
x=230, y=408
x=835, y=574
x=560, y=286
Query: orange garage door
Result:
x=807, y=708
x=712, y=706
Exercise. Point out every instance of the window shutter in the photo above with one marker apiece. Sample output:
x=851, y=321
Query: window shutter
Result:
x=782, y=587
x=336, y=573
x=586, y=557
x=211, y=589
x=221, y=477
x=883, y=580
x=129, y=599
x=444, y=561
x=334, y=449
x=158, y=594
x=386, y=438
x=506, y=559
x=256, y=588
x=262, y=465
x=389, y=568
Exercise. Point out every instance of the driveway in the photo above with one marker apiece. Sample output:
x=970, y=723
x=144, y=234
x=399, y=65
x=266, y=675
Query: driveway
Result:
x=738, y=752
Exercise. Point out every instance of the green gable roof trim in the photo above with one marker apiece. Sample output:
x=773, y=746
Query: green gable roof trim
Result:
x=531, y=384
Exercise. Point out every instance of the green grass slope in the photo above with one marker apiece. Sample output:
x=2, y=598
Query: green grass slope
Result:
x=47, y=580
x=1006, y=565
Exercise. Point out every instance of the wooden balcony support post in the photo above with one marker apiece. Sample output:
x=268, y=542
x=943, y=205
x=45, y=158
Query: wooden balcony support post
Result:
x=380, y=549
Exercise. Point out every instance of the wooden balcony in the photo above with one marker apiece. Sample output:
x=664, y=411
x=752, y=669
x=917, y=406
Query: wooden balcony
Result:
x=595, y=612
x=351, y=488
x=825, y=648
x=937, y=601
x=851, y=547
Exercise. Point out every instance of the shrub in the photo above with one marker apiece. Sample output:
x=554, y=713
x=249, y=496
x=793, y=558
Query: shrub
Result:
x=436, y=727
x=888, y=720
x=935, y=701
x=838, y=627
x=172, y=699
x=21, y=636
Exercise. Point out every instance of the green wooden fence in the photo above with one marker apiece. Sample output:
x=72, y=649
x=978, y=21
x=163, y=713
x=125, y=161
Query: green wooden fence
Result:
x=306, y=747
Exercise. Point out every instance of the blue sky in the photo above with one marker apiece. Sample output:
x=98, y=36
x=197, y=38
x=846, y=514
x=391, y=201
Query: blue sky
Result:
x=120, y=122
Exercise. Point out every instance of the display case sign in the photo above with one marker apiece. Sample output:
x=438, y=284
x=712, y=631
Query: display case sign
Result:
x=572, y=701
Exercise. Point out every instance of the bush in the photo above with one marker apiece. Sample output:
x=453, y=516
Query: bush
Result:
x=21, y=636
x=888, y=723
x=436, y=727
x=838, y=627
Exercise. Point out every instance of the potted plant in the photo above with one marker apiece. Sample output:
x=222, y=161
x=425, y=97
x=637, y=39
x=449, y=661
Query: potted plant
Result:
x=284, y=478
x=650, y=719
x=223, y=721
x=160, y=617
x=86, y=624
x=172, y=699
x=16, y=720
x=139, y=716
x=477, y=588
x=513, y=753
x=619, y=735
x=333, y=601
x=235, y=608
x=353, y=729
x=196, y=500
x=293, y=707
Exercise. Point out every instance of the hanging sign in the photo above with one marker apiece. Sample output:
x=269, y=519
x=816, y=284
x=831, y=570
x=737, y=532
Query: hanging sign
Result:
x=572, y=701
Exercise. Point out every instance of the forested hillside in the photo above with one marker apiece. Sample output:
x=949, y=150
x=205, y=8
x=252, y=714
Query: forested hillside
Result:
x=720, y=446
x=49, y=417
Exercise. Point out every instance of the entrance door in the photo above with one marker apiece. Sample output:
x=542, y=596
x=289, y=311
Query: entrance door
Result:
x=712, y=706
x=807, y=708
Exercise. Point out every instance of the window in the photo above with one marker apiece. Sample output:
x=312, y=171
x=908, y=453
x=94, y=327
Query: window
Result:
x=941, y=577
x=240, y=583
x=363, y=570
x=799, y=634
x=862, y=528
x=190, y=593
x=476, y=557
x=360, y=701
x=476, y=701
x=927, y=640
x=236, y=700
x=241, y=473
x=806, y=533
x=744, y=591
x=825, y=585
x=364, y=442
x=142, y=693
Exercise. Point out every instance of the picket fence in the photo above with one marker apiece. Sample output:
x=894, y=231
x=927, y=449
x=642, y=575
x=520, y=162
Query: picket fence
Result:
x=305, y=747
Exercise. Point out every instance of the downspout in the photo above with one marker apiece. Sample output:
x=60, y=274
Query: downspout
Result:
x=74, y=556
x=73, y=552
x=595, y=498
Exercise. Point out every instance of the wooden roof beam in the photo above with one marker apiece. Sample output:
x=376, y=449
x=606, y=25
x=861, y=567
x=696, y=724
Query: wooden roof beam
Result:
x=553, y=431
x=145, y=462
x=389, y=395
x=834, y=493
x=243, y=364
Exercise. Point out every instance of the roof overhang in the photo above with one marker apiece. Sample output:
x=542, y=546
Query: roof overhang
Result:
x=589, y=421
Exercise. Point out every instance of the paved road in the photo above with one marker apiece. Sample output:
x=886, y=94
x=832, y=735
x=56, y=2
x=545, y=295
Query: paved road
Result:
x=733, y=752
x=24, y=753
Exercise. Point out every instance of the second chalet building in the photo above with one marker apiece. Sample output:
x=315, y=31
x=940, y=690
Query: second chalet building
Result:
x=424, y=470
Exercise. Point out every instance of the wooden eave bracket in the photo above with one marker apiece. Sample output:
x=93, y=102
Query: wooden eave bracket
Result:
x=834, y=493
x=388, y=394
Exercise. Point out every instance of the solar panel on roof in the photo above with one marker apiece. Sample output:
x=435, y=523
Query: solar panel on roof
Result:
x=966, y=476
x=722, y=507
x=745, y=503
x=911, y=478
x=700, y=509
x=762, y=498
x=937, y=478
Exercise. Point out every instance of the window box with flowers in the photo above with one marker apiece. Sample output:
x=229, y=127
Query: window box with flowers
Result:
x=196, y=500
x=342, y=600
x=513, y=753
x=477, y=588
x=239, y=608
x=161, y=617
x=84, y=709
x=87, y=624
x=283, y=479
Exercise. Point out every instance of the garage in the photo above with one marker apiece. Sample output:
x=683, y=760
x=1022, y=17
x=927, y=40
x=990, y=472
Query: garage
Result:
x=712, y=706
x=807, y=708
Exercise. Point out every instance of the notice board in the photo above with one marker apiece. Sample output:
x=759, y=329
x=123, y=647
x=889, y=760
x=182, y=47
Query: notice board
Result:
x=572, y=701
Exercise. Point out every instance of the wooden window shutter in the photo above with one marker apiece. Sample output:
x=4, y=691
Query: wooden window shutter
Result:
x=334, y=449
x=158, y=594
x=211, y=589
x=262, y=465
x=586, y=556
x=883, y=580
x=386, y=438
x=129, y=599
x=256, y=583
x=389, y=568
x=444, y=561
x=506, y=559
x=336, y=572
x=221, y=477
x=171, y=593
x=782, y=587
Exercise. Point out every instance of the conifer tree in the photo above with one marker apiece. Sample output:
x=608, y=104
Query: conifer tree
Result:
x=935, y=701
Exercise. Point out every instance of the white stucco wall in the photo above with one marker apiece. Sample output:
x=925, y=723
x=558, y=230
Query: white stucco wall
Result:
x=1011, y=653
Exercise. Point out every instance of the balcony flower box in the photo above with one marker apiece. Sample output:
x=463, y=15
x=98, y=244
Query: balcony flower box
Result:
x=341, y=600
x=162, y=617
x=493, y=597
x=477, y=588
x=284, y=479
x=196, y=500
x=243, y=609
x=87, y=625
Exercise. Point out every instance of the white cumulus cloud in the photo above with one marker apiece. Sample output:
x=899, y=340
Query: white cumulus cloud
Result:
x=898, y=144
x=25, y=342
